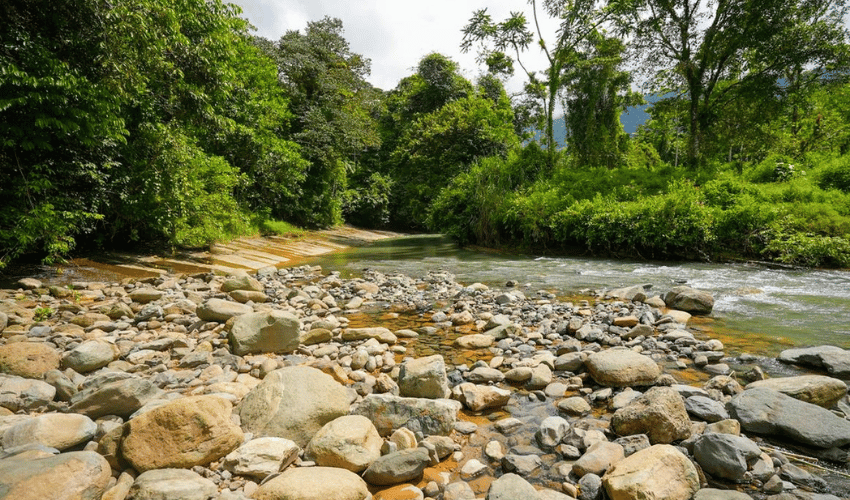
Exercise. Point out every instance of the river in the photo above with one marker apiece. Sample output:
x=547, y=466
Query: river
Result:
x=758, y=309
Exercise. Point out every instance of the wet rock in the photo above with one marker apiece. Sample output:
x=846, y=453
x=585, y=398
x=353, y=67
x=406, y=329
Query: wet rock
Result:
x=458, y=490
x=28, y=359
x=835, y=360
x=481, y=397
x=660, y=472
x=599, y=458
x=245, y=282
x=725, y=456
x=397, y=467
x=715, y=494
x=574, y=406
x=265, y=332
x=316, y=336
x=590, y=487
x=195, y=430
x=816, y=389
x=173, y=484
x=689, y=300
x=90, y=355
x=552, y=430
x=221, y=310
x=17, y=393
x=706, y=408
x=636, y=292
x=424, y=378
x=314, y=483
x=82, y=475
x=349, y=442
x=484, y=374
x=293, y=403
x=121, y=397
x=570, y=362
x=541, y=376
x=388, y=412
x=244, y=296
x=475, y=341
x=523, y=465
x=403, y=438
x=379, y=333
x=261, y=457
x=765, y=411
x=511, y=487
x=660, y=414
x=633, y=444
x=56, y=430
x=622, y=367
x=800, y=477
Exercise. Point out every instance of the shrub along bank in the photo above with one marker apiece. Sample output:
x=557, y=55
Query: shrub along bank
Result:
x=795, y=214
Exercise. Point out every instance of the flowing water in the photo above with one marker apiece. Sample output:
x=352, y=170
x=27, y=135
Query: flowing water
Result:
x=758, y=309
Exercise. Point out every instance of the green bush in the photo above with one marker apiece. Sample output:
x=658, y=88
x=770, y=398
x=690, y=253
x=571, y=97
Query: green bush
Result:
x=673, y=225
x=368, y=205
x=807, y=249
x=835, y=174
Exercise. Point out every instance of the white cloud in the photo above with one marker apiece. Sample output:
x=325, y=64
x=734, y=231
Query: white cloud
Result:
x=393, y=34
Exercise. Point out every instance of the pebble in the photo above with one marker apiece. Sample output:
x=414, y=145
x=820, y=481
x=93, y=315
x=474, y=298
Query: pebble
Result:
x=137, y=351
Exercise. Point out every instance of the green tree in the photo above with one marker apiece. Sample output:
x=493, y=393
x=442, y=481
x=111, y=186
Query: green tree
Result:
x=59, y=123
x=435, y=126
x=578, y=20
x=597, y=93
x=715, y=53
x=334, y=112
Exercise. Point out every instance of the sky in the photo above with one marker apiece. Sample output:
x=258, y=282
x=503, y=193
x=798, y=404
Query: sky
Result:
x=394, y=34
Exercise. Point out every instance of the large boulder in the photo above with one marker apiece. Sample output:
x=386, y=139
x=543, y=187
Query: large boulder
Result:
x=429, y=416
x=816, y=389
x=314, y=483
x=194, y=430
x=660, y=472
x=79, y=475
x=243, y=282
x=481, y=397
x=261, y=457
x=660, y=414
x=18, y=393
x=28, y=359
x=114, y=394
x=55, y=430
x=765, y=411
x=622, y=367
x=172, y=484
x=350, y=442
x=725, y=455
x=90, y=355
x=221, y=310
x=397, y=467
x=267, y=331
x=424, y=378
x=511, y=487
x=599, y=458
x=685, y=298
x=293, y=403
x=833, y=359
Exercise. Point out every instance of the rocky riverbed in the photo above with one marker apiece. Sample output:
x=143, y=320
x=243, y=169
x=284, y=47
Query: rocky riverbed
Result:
x=294, y=384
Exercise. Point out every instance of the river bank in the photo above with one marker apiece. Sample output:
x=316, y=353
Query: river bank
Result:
x=468, y=391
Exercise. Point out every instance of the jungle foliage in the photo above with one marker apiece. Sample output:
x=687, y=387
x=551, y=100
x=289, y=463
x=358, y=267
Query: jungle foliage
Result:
x=166, y=121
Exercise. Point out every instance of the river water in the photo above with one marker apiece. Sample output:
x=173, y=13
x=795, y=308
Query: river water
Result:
x=758, y=309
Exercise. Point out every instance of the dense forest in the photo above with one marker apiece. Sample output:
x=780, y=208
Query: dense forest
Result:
x=167, y=122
